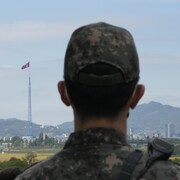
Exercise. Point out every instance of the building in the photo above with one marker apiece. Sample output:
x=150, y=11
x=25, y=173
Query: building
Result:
x=131, y=134
x=169, y=130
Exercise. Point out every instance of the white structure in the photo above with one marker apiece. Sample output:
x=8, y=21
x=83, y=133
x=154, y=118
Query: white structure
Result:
x=169, y=130
x=131, y=133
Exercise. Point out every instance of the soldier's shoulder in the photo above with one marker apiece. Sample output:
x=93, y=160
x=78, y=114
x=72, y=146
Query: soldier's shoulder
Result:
x=30, y=172
x=159, y=170
x=166, y=170
x=36, y=171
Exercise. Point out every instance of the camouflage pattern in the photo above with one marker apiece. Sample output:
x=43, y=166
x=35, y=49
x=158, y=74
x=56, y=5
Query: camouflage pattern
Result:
x=10, y=173
x=105, y=43
x=96, y=154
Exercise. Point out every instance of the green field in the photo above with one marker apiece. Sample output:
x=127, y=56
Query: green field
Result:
x=7, y=156
x=175, y=158
x=41, y=155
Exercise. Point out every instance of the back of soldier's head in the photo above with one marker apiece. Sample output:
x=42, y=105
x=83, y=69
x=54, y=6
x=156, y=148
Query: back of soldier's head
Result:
x=101, y=69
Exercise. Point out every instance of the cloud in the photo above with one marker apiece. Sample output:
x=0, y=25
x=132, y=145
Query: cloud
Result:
x=23, y=31
x=7, y=67
x=34, y=30
x=7, y=70
x=165, y=59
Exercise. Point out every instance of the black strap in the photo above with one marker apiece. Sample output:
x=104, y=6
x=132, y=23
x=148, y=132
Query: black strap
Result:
x=130, y=164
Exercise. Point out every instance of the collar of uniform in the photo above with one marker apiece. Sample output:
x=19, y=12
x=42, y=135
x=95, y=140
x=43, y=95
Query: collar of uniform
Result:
x=95, y=136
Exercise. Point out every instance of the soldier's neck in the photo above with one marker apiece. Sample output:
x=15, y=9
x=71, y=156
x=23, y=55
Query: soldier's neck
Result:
x=119, y=123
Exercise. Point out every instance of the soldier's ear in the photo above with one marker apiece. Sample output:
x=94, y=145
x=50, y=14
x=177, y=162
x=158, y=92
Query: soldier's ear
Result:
x=63, y=93
x=138, y=93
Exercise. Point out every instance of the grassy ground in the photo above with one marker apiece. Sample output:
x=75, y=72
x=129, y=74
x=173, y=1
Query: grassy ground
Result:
x=175, y=158
x=43, y=154
x=40, y=155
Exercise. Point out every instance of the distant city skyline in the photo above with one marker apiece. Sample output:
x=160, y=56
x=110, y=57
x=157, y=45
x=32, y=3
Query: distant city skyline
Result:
x=38, y=31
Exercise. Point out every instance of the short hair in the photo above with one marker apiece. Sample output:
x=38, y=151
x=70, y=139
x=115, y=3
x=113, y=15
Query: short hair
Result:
x=99, y=101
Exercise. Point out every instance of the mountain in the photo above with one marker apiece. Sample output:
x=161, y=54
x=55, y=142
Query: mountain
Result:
x=16, y=127
x=145, y=118
x=152, y=117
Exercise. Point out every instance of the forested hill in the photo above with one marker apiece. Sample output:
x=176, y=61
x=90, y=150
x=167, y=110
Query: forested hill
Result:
x=153, y=116
x=16, y=127
x=145, y=118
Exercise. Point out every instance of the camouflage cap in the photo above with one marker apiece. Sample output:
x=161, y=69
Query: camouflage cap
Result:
x=101, y=43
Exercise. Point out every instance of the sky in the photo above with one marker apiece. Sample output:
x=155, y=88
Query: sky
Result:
x=38, y=31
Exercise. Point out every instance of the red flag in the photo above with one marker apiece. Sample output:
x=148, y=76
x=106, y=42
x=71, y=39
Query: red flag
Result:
x=25, y=66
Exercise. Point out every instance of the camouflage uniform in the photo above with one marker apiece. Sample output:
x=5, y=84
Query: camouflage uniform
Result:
x=96, y=154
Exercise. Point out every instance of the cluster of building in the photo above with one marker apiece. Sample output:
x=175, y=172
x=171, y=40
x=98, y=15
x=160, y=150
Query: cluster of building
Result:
x=169, y=132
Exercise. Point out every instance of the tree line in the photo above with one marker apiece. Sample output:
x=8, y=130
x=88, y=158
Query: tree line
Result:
x=42, y=141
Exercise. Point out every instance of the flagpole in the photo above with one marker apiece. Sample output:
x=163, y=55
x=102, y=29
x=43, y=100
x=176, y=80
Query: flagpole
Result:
x=29, y=121
x=29, y=106
x=29, y=70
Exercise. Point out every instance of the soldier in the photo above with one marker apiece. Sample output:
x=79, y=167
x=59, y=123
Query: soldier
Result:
x=101, y=73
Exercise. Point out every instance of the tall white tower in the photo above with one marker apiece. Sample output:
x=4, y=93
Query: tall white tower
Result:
x=29, y=121
x=169, y=130
x=29, y=133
